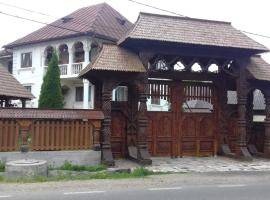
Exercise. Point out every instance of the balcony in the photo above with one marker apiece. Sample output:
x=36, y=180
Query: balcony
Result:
x=68, y=70
x=76, y=68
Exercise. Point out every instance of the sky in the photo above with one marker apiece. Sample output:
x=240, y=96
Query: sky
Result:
x=248, y=15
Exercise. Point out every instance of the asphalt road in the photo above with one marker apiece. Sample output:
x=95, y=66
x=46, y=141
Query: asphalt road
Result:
x=244, y=186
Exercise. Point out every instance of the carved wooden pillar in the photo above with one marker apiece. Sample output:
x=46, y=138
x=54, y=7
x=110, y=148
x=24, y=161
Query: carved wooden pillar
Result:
x=96, y=135
x=223, y=118
x=98, y=96
x=106, y=152
x=142, y=123
x=267, y=125
x=24, y=133
x=242, y=91
x=132, y=110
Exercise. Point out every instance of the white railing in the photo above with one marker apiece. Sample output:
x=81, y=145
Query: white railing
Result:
x=63, y=69
x=76, y=68
x=67, y=69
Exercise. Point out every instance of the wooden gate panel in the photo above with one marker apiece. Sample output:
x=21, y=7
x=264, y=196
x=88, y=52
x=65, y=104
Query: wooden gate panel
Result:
x=160, y=133
x=118, y=134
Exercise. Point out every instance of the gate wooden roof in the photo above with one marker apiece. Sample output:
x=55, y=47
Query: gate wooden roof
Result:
x=259, y=68
x=115, y=58
x=190, y=31
x=11, y=88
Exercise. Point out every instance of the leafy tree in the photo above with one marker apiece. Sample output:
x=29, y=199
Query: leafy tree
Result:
x=51, y=93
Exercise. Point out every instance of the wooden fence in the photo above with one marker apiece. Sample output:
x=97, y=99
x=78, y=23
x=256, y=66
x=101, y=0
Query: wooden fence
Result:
x=9, y=135
x=60, y=130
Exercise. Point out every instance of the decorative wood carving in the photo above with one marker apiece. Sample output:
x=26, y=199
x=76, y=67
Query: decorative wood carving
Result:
x=24, y=133
x=106, y=152
x=142, y=121
x=242, y=92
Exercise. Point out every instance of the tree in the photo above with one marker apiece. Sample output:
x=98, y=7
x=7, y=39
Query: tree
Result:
x=51, y=93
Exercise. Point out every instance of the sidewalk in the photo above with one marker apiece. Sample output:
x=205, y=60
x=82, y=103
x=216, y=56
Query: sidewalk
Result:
x=200, y=164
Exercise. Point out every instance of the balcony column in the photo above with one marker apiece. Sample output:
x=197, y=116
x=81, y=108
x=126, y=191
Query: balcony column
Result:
x=85, y=94
x=70, y=59
x=86, y=48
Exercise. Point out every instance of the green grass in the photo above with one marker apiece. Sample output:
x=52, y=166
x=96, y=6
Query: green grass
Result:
x=2, y=166
x=70, y=167
x=137, y=173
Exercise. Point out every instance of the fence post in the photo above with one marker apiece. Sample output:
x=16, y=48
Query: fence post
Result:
x=96, y=135
x=24, y=128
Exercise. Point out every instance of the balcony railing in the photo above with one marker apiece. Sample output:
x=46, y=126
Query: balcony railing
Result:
x=76, y=68
x=63, y=69
x=67, y=69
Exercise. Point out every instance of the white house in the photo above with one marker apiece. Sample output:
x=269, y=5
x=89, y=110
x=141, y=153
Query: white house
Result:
x=77, y=38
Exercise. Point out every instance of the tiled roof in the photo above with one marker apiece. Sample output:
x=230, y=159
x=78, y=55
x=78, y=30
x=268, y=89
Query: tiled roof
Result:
x=259, y=68
x=189, y=31
x=10, y=87
x=115, y=58
x=101, y=20
x=15, y=113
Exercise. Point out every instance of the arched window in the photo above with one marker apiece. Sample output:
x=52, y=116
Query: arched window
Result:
x=63, y=54
x=48, y=55
x=78, y=52
x=93, y=52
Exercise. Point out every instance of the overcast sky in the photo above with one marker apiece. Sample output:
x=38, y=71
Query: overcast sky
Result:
x=248, y=15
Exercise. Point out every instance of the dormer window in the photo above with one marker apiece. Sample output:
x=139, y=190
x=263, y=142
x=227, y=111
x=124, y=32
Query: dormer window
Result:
x=26, y=60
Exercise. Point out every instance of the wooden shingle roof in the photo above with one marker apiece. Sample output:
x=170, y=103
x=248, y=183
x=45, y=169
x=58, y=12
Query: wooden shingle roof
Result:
x=189, y=31
x=259, y=68
x=115, y=58
x=101, y=20
x=11, y=88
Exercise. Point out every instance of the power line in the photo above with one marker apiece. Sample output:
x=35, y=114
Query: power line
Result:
x=28, y=10
x=39, y=22
x=256, y=34
x=171, y=12
x=154, y=7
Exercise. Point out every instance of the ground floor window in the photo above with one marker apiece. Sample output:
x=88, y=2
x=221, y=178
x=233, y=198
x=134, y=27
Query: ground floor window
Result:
x=79, y=94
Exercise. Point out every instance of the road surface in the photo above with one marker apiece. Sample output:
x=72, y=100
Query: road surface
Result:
x=207, y=186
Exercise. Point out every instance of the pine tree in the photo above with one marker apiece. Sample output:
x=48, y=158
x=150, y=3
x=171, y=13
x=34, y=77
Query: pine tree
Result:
x=51, y=93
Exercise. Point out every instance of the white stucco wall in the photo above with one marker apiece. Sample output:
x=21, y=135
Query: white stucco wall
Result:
x=34, y=76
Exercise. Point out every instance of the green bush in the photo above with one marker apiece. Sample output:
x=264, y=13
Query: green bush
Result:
x=69, y=166
x=141, y=172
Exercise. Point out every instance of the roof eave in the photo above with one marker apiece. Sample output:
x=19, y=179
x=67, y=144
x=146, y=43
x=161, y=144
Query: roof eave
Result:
x=10, y=46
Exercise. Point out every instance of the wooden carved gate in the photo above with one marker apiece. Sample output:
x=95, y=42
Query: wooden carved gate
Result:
x=188, y=126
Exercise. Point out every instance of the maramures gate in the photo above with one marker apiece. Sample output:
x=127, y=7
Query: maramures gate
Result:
x=189, y=86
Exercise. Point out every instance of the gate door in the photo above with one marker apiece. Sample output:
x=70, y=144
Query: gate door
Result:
x=182, y=119
x=197, y=120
